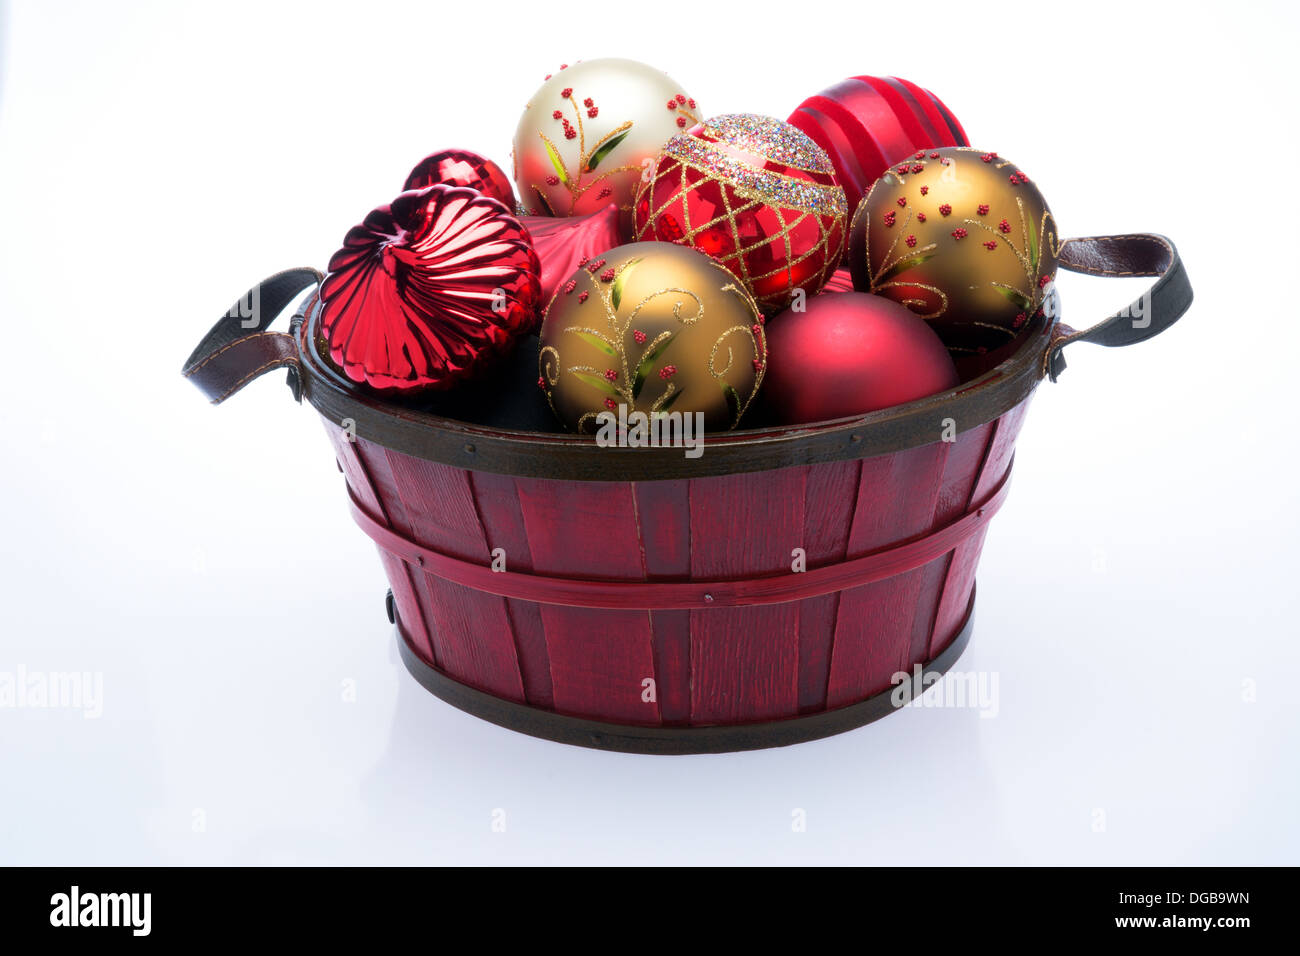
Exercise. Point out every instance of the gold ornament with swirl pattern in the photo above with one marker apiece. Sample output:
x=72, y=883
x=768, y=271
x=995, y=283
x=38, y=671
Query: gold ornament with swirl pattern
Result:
x=656, y=328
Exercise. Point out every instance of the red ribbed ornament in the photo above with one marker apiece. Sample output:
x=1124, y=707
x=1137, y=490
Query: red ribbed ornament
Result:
x=429, y=288
x=868, y=123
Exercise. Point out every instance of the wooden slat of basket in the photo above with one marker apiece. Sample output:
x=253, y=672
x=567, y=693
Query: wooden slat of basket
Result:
x=873, y=630
x=503, y=521
x=406, y=594
x=664, y=519
x=960, y=471
x=961, y=571
x=745, y=660
x=472, y=634
x=599, y=658
x=830, y=498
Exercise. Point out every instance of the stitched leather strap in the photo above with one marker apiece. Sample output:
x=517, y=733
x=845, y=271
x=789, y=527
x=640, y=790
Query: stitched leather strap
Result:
x=240, y=348
x=1158, y=308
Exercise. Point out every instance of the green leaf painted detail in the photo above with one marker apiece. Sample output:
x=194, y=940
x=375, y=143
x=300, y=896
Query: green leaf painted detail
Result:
x=1033, y=247
x=616, y=294
x=668, y=402
x=733, y=403
x=598, y=382
x=1015, y=295
x=605, y=149
x=647, y=364
x=556, y=161
x=541, y=197
x=903, y=266
x=593, y=339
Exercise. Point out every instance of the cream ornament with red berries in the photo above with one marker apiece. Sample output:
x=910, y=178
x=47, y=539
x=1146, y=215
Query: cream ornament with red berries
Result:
x=589, y=132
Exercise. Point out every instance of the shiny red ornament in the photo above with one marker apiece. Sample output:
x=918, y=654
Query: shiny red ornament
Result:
x=841, y=280
x=460, y=167
x=868, y=123
x=754, y=193
x=429, y=288
x=850, y=353
x=565, y=243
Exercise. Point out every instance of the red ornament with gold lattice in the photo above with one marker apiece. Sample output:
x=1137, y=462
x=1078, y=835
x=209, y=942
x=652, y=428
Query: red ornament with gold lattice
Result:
x=756, y=194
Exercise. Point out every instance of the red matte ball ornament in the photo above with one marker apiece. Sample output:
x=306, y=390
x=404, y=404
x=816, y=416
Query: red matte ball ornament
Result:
x=850, y=353
x=460, y=167
x=428, y=289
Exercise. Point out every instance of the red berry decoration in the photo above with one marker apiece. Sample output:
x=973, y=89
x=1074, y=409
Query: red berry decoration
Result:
x=427, y=289
x=754, y=193
x=866, y=124
x=864, y=353
x=613, y=120
x=460, y=167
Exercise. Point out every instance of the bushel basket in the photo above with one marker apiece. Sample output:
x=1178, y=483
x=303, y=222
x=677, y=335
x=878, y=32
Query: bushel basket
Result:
x=638, y=600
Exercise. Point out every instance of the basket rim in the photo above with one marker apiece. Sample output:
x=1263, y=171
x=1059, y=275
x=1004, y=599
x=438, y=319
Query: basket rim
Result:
x=568, y=457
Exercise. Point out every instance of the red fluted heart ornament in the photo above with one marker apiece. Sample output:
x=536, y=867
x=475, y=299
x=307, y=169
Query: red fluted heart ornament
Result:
x=428, y=289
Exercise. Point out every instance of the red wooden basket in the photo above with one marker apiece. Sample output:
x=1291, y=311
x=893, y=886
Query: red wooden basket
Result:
x=648, y=601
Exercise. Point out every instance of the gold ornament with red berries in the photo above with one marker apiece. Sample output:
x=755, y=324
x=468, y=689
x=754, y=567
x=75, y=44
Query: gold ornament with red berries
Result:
x=962, y=238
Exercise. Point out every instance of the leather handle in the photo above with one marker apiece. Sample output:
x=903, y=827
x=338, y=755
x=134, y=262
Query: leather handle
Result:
x=1139, y=254
x=240, y=347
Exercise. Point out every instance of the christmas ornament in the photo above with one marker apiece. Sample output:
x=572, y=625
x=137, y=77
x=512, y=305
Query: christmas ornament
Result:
x=754, y=193
x=562, y=243
x=651, y=327
x=460, y=167
x=841, y=280
x=427, y=289
x=963, y=239
x=590, y=130
x=868, y=123
x=848, y=354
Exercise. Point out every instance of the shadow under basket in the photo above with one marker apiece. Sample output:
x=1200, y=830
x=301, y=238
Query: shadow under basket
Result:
x=649, y=602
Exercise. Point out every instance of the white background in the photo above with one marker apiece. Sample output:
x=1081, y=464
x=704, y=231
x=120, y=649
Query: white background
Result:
x=155, y=161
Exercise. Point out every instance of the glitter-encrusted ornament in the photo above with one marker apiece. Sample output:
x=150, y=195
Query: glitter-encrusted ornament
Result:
x=588, y=133
x=651, y=327
x=962, y=238
x=757, y=195
x=460, y=167
x=868, y=123
x=428, y=289
x=848, y=354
